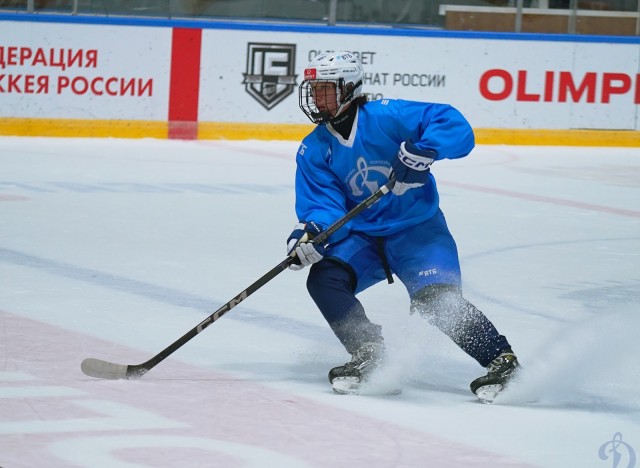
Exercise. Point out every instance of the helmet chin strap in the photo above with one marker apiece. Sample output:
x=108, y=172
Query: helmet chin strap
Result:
x=341, y=114
x=345, y=102
x=322, y=116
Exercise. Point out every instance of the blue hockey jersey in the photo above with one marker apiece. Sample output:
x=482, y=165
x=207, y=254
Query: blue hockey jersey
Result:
x=333, y=174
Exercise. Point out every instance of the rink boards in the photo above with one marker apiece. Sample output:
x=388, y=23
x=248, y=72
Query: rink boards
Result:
x=87, y=76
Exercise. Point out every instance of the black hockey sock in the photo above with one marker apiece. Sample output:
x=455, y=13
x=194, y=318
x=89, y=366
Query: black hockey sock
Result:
x=443, y=306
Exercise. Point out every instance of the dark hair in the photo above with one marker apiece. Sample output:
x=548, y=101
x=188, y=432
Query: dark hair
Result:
x=361, y=100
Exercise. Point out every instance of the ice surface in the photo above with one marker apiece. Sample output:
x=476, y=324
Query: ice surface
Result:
x=112, y=249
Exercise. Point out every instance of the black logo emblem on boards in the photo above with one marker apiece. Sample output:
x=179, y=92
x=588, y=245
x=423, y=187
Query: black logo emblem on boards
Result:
x=270, y=73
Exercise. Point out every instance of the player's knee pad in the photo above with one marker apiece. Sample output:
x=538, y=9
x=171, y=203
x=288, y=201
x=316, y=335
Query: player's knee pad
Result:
x=330, y=278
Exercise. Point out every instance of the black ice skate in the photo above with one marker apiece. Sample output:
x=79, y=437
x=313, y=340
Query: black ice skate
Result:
x=499, y=372
x=350, y=378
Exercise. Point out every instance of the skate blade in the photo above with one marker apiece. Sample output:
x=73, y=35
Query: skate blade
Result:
x=346, y=385
x=488, y=393
x=353, y=386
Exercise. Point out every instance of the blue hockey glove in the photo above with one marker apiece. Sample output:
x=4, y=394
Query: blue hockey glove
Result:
x=411, y=167
x=299, y=245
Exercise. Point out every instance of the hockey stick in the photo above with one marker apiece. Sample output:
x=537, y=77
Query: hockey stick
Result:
x=110, y=370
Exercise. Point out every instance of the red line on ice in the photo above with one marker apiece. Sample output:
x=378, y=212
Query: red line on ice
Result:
x=5, y=197
x=543, y=199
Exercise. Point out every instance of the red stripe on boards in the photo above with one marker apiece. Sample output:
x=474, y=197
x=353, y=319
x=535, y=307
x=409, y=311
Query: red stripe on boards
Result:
x=184, y=84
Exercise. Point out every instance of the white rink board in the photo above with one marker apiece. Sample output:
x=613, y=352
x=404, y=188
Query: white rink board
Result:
x=400, y=67
x=128, y=80
x=590, y=83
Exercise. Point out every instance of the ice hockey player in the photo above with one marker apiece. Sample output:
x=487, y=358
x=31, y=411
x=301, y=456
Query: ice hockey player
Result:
x=357, y=147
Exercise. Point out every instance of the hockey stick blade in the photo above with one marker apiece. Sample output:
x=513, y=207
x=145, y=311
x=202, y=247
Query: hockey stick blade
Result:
x=110, y=370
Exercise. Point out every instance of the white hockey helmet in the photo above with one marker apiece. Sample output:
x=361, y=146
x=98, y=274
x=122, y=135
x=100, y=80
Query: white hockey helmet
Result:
x=344, y=70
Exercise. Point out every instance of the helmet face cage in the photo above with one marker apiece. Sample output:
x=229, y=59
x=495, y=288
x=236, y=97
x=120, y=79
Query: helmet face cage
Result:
x=313, y=91
x=342, y=70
